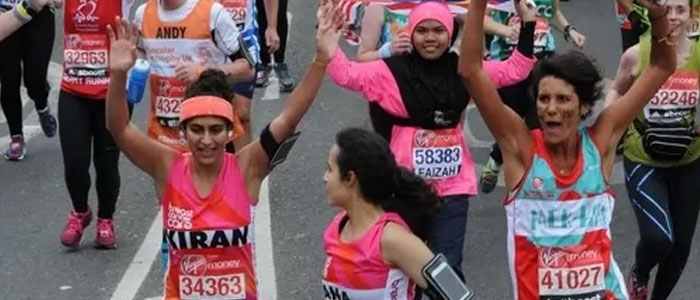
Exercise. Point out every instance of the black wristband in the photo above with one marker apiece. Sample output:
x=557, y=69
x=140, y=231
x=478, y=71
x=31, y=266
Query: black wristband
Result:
x=526, y=40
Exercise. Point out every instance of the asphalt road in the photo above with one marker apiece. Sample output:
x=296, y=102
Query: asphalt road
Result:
x=33, y=264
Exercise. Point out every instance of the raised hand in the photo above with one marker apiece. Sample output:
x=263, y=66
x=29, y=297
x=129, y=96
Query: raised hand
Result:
x=656, y=8
x=400, y=44
x=331, y=24
x=123, y=53
x=526, y=10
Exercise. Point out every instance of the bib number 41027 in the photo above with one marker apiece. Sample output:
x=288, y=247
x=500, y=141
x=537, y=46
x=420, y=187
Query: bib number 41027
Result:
x=571, y=281
x=213, y=287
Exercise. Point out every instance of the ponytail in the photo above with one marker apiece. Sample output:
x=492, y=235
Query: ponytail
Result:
x=413, y=199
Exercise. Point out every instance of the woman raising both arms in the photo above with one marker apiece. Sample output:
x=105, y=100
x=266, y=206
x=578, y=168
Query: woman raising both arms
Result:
x=206, y=194
x=562, y=170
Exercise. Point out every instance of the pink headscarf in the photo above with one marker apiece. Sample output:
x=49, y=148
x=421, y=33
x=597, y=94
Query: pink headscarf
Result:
x=431, y=10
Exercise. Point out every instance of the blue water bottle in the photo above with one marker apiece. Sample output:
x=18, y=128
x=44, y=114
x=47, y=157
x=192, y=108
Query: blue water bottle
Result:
x=137, y=81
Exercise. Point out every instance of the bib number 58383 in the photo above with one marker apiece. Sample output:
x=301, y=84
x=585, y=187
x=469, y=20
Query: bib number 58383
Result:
x=213, y=287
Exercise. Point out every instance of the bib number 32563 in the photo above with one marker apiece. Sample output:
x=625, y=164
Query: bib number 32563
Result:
x=229, y=287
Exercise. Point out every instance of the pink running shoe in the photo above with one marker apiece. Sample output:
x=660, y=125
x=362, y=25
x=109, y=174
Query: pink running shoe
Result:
x=636, y=289
x=105, y=234
x=73, y=232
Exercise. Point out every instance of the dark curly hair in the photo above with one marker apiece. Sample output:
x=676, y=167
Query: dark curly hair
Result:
x=382, y=181
x=212, y=82
x=575, y=68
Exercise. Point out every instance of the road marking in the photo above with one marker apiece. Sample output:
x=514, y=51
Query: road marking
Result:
x=272, y=91
x=141, y=264
x=267, y=282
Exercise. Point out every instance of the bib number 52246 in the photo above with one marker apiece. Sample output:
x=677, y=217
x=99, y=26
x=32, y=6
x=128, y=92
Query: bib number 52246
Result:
x=213, y=287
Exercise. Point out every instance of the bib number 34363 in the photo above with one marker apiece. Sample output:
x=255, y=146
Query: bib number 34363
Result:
x=227, y=287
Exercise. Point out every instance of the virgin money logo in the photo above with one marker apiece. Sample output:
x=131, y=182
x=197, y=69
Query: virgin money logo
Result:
x=555, y=258
x=428, y=138
x=72, y=41
x=194, y=265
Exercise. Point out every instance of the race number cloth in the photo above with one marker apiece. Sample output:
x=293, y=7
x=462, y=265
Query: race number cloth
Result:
x=354, y=10
x=559, y=244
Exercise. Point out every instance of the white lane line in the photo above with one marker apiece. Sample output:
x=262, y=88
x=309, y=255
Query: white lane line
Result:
x=141, y=264
x=267, y=282
x=272, y=91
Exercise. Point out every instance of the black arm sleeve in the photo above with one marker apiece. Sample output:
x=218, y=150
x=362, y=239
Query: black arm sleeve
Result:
x=526, y=40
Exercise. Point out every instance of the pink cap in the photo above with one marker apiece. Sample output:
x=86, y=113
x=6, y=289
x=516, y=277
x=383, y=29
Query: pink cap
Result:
x=431, y=10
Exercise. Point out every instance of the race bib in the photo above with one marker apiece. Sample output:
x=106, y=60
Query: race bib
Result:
x=676, y=98
x=566, y=274
x=167, y=101
x=541, y=31
x=86, y=54
x=238, y=10
x=227, y=287
x=437, y=154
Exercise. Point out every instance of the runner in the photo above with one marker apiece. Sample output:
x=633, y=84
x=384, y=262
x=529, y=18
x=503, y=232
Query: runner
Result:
x=559, y=204
x=230, y=183
x=371, y=252
x=662, y=170
x=19, y=15
x=178, y=49
x=81, y=111
x=25, y=56
x=244, y=14
x=406, y=89
x=382, y=32
x=633, y=22
x=281, y=26
x=549, y=15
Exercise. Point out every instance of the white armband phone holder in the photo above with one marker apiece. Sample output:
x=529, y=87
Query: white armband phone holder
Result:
x=443, y=282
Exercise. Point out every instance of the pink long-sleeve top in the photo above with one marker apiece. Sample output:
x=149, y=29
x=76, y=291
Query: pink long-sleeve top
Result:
x=441, y=157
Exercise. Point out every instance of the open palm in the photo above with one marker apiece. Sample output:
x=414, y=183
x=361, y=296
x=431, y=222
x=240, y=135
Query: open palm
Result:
x=331, y=24
x=123, y=53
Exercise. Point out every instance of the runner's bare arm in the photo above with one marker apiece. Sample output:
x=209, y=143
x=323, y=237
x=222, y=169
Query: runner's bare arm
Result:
x=372, y=22
x=271, y=11
x=404, y=250
x=614, y=119
x=254, y=159
x=150, y=156
x=507, y=127
x=625, y=75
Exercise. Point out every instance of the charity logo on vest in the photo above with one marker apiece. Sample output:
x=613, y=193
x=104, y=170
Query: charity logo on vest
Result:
x=171, y=32
x=205, y=239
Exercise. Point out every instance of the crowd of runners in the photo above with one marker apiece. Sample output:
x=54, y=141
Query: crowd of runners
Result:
x=403, y=187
